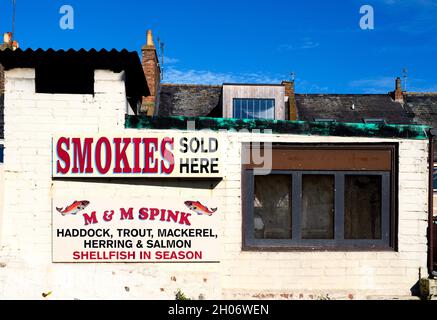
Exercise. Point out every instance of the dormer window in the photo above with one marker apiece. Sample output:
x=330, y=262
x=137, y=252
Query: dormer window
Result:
x=253, y=108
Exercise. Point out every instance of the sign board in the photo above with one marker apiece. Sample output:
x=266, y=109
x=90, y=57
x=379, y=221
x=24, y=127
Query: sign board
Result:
x=169, y=155
x=121, y=230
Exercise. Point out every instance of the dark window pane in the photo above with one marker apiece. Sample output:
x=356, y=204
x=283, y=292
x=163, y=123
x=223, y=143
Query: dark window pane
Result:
x=272, y=207
x=318, y=207
x=362, y=207
x=1, y=154
x=237, y=108
x=254, y=108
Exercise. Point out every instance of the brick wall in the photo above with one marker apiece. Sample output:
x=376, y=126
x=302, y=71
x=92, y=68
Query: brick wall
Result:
x=153, y=76
x=26, y=270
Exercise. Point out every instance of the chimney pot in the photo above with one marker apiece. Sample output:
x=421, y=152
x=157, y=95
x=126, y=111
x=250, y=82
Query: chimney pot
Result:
x=7, y=37
x=398, y=94
x=152, y=71
x=398, y=84
x=150, y=38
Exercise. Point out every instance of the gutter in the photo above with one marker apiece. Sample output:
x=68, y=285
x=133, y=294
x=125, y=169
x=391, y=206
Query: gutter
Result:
x=432, y=135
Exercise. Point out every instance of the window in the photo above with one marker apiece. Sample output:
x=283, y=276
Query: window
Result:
x=317, y=208
x=272, y=207
x=362, y=207
x=1, y=153
x=63, y=78
x=254, y=108
x=340, y=205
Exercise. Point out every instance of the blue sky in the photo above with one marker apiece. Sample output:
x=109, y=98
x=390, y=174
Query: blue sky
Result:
x=212, y=42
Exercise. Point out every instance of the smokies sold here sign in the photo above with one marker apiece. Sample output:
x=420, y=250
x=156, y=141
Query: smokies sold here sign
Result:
x=191, y=155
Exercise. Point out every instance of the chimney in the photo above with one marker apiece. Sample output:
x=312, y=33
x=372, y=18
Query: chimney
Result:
x=398, y=94
x=7, y=41
x=152, y=71
x=289, y=92
x=7, y=38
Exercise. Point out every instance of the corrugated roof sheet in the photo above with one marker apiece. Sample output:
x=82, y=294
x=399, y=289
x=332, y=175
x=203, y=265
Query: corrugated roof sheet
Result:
x=117, y=61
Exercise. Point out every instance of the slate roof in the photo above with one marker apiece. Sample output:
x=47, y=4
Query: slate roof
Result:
x=203, y=100
x=339, y=107
x=190, y=100
x=423, y=107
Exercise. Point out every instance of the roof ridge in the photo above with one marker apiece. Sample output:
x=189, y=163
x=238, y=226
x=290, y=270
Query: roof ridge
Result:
x=420, y=93
x=191, y=85
x=342, y=94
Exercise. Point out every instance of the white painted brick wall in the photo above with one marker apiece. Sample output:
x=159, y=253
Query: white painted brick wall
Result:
x=26, y=270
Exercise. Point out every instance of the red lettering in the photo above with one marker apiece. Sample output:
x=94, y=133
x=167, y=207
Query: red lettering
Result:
x=167, y=155
x=129, y=215
x=172, y=216
x=184, y=219
x=63, y=155
x=137, y=142
x=163, y=212
x=90, y=219
x=108, y=155
x=153, y=213
x=120, y=156
x=150, y=146
x=144, y=214
x=79, y=155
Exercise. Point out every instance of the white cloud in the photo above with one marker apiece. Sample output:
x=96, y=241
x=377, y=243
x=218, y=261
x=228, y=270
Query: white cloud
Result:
x=170, y=60
x=303, y=44
x=415, y=88
x=305, y=86
x=191, y=76
x=385, y=84
x=380, y=84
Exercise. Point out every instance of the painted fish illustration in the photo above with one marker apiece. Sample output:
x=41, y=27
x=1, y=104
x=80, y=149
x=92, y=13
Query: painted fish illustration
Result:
x=199, y=208
x=74, y=208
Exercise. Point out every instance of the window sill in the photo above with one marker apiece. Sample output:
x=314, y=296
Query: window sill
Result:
x=250, y=248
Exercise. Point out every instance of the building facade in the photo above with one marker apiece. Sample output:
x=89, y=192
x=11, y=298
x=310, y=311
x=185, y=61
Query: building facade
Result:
x=315, y=196
x=342, y=214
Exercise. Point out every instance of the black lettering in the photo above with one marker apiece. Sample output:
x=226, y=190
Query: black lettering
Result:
x=184, y=145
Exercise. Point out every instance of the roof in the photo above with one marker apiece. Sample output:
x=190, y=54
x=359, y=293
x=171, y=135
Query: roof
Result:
x=423, y=107
x=117, y=61
x=351, y=108
x=417, y=132
x=189, y=100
